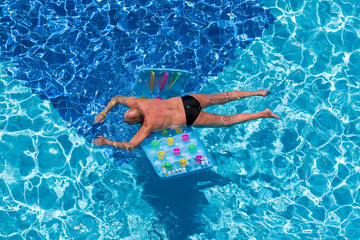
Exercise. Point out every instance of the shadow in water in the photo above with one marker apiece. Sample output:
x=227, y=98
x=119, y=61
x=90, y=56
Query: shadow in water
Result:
x=179, y=202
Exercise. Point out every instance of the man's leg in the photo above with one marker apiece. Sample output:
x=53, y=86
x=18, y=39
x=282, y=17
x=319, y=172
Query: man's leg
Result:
x=213, y=120
x=225, y=97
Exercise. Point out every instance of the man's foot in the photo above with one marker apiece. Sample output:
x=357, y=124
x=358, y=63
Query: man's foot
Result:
x=269, y=114
x=265, y=92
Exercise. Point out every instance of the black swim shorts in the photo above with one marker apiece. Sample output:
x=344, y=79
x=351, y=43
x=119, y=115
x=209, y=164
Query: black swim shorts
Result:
x=192, y=109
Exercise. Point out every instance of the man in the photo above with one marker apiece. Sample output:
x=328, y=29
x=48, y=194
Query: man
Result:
x=156, y=114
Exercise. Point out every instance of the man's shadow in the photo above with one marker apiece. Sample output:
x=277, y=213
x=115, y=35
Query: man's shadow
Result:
x=179, y=202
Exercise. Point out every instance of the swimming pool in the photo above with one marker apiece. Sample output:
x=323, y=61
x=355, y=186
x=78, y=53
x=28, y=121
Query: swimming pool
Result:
x=294, y=178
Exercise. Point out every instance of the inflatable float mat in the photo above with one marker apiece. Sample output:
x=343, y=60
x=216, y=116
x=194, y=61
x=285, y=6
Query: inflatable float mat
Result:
x=160, y=82
x=174, y=152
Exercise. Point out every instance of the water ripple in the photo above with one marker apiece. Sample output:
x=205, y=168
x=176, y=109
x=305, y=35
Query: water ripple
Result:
x=300, y=175
x=79, y=53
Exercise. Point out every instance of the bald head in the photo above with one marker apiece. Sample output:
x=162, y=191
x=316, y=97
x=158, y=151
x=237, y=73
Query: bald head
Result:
x=133, y=116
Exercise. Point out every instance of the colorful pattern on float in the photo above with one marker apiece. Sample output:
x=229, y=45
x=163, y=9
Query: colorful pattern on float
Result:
x=176, y=152
x=160, y=82
x=172, y=152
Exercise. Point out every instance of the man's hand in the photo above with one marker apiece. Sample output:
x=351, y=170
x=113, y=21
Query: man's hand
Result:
x=100, y=141
x=99, y=118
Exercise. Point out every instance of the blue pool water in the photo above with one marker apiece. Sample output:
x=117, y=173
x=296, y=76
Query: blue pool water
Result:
x=293, y=178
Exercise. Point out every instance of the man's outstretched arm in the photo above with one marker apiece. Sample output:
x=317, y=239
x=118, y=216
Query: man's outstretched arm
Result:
x=129, y=146
x=113, y=103
x=101, y=141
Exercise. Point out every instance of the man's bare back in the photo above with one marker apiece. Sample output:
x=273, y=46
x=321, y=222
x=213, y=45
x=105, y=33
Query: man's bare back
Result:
x=156, y=114
x=161, y=114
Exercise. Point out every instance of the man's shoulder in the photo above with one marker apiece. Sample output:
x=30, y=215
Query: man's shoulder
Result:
x=131, y=101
